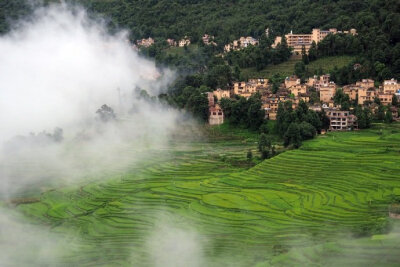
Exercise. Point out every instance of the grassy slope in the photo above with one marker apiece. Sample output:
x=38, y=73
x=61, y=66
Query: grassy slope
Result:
x=287, y=68
x=283, y=211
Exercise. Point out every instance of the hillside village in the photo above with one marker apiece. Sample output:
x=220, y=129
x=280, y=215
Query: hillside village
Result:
x=363, y=93
x=317, y=91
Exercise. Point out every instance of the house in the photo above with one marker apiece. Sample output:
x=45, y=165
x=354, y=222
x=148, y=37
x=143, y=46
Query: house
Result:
x=327, y=92
x=341, y=120
x=386, y=99
x=351, y=90
x=171, y=42
x=317, y=82
x=259, y=82
x=390, y=86
x=145, y=42
x=216, y=115
x=366, y=94
x=271, y=102
x=219, y=93
x=270, y=105
x=210, y=97
x=208, y=40
x=366, y=83
x=245, y=89
x=291, y=81
x=184, y=42
x=298, y=89
x=242, y=42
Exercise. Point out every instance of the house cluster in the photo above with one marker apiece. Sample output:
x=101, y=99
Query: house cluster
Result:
x=145, y=42
x=181, y=43
x=364, y=92
x=242, y=42
x=300, y=40
x=207, y=40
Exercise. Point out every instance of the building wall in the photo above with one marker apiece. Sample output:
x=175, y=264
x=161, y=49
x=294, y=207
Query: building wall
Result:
x=390, y=86
x=341, y=120
x=326, y=93
x=222, y=94
x=365, y=94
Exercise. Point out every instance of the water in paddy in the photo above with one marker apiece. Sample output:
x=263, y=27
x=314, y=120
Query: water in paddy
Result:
x=198, y=204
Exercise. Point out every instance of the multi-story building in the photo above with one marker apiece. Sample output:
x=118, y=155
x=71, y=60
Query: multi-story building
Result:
x=327, y=92
x=366, y=83
x=271, y=103
x=245, y=89
x=210, y=97
x=298, y=89
x=386, y=99
x=317, y=82
x=260, y=82
x=219, y=93
x=341, y=120
x=366, y=94
x=298, y=41
x=351, y=90
x=390, y=86
x=216, y=115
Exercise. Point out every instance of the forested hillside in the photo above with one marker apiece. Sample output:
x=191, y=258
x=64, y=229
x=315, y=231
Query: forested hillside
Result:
x=377, y=21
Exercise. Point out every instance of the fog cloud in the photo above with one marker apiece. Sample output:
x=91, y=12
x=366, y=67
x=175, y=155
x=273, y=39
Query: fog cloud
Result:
x=57, y=69
x=173, y=243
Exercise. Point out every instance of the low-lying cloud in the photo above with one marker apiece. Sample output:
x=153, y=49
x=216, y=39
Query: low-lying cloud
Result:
x=57, y=69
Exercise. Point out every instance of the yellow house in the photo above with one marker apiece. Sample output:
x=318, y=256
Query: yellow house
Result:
x=327, y=92
x=219, y=93
x=351, y=90
x=366, y=94
x=298, y=89
x=291, y=81
x=184, y=41
x=244, y=89
x=386, y=99
x=366, y=83
x=390, y=86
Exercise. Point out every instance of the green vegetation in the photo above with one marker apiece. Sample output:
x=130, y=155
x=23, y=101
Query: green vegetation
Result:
x=321, y=65
x=307, y=206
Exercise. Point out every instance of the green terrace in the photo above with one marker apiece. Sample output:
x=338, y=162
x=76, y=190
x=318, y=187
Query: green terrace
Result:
x=323, y=204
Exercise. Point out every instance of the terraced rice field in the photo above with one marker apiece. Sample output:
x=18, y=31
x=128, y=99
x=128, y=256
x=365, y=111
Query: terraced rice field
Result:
x=316, y=205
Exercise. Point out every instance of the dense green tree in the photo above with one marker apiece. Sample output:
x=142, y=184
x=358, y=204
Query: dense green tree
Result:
x=388, y=117
x=292, y=135
x=300, y=69
x=395, y=101
x=341, y=99
x=263, y=142
x=304, y=56
x=380, y=114
x=312, y=52
x=249, y=155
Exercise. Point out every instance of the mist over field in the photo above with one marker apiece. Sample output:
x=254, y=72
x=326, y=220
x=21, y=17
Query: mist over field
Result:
x=96, y=170
x=58, y=68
